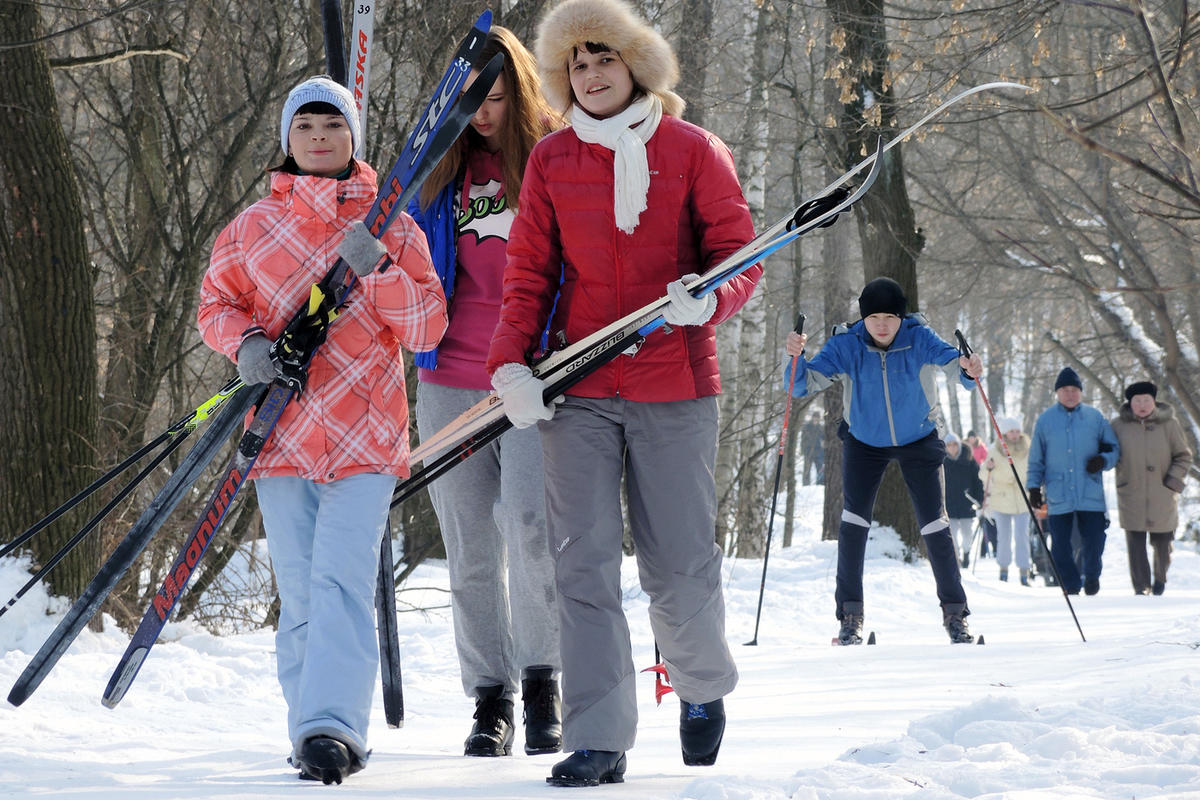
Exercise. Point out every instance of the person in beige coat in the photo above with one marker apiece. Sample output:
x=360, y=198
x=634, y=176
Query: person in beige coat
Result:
x=1004, y=503
x=1154, y=461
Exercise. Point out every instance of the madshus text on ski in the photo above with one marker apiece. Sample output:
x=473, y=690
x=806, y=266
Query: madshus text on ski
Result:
x=326, y=235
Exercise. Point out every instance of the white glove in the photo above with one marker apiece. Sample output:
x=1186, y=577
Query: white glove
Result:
x=360, y=249
x=684, y=309
x=522, y=394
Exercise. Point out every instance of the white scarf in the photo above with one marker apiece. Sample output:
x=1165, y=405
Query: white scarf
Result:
x=631, y=173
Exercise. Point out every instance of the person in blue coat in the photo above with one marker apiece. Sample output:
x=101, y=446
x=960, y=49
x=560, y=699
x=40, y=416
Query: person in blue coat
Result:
x=886, y=364
x=1072, y=446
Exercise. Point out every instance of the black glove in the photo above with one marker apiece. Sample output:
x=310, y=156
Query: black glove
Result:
x=1094, y=464
x=1035, y=498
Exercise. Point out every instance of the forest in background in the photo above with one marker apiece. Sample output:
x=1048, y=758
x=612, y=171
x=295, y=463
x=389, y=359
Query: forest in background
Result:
x=1054, y=227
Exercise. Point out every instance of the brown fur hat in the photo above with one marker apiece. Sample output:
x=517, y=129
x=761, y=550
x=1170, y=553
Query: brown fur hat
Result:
x=614, y=23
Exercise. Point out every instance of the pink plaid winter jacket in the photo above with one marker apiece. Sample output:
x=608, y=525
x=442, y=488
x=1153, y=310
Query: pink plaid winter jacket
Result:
x=353, y=415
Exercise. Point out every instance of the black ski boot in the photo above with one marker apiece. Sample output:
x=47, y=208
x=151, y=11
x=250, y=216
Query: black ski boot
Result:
x=589, y=768
x=542, y=711
x=325, y=759
x=852, y=627
x=956, y=626
x=701, y=728
x=492, y=734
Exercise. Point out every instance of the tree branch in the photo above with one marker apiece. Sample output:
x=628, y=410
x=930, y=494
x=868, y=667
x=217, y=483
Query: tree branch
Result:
x=114, y=57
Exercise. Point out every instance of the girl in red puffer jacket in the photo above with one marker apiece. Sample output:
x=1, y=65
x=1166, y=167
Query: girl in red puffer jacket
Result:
x=627, y=202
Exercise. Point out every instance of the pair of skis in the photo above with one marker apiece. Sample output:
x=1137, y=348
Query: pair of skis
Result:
x=438, y=129
x=562, y=369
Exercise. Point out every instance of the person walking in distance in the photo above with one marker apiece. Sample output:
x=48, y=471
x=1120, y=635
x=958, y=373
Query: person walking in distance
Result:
x=491, y=509
x=624, y=206
x=884, y=363
x=324, y=478
x=1004, y=501
x=964, y=493
x=1154, y=461
x=1072, y=445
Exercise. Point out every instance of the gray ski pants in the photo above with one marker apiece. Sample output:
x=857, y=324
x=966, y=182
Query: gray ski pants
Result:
x=666, y=452
x=491, y=509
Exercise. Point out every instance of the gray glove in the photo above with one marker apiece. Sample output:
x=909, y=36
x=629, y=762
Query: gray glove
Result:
x=1173, y=483
x=361, y=250
x=254, y=362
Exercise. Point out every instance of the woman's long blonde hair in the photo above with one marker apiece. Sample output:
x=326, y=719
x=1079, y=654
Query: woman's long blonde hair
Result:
x=527, y=119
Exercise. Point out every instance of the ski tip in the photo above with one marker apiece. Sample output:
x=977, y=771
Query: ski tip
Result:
x=18, y=695
x=871, y=638
x=979, y=640
x=484, y=23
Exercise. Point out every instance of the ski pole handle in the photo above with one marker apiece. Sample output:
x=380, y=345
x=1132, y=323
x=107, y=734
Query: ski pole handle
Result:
x=800, y=318
x=963, y=348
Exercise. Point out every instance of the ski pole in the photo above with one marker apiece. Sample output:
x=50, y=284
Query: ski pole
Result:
x=787, y=413
x=965, y=349
x=79, y=536
x=186, y=424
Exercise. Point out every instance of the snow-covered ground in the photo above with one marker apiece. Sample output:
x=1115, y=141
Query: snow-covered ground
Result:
x=1035, y=713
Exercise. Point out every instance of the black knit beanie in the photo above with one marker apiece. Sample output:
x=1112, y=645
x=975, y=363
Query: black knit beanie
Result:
x=882, y=296
x=1067, y=377
x=1141, y=387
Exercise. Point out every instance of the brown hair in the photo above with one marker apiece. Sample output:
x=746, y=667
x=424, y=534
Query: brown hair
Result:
x=527, y=119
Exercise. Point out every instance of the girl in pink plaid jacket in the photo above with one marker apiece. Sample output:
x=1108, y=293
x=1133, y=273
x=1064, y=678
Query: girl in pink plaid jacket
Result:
x=325, y=477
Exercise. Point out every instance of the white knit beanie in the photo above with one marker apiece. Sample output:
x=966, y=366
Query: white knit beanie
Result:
x=321, y=89
x=1007, y=424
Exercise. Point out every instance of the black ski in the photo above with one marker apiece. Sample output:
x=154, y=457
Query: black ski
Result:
x=205, y=449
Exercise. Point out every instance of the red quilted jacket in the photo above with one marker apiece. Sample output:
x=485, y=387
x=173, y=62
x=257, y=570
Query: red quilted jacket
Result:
x=353, y=415
x=696, y=216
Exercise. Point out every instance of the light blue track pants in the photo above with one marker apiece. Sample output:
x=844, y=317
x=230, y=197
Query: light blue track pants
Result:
x=324, y=541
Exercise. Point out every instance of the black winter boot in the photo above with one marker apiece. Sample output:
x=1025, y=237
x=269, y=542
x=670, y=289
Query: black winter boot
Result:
x=956, y=626
x=589, y=768
x=542, y=711
x=492, y=734
x=701, y=728
x=325, y=759
x=852, y=627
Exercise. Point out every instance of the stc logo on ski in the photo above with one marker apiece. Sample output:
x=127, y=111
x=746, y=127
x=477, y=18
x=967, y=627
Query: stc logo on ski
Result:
x=181, y=572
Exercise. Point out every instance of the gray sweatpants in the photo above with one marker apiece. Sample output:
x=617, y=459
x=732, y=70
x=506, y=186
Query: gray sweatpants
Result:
x=666, y=452
x=491, y=509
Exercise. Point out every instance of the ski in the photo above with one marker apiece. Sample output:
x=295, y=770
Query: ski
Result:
x=389, y=640
x=562, y=369
x=361, y=37
x=628, y=331
x=836, y=642
x=335, y=41
x=295, y=347
x=205, y=449
x=174, y=435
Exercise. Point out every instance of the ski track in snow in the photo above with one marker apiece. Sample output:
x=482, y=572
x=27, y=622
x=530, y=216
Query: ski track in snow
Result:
x=1035, y=714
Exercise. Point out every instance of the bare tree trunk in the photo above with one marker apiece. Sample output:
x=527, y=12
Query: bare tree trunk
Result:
x=48, y=395
x=891, y=241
